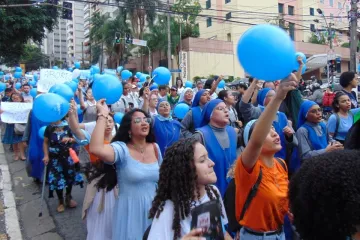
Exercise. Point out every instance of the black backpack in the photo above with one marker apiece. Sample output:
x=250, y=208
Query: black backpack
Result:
x=229, y=200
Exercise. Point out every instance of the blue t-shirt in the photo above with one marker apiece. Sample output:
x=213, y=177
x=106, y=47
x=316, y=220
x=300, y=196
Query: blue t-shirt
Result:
x=344, y=126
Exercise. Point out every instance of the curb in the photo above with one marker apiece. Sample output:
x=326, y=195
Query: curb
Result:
x=11, y=217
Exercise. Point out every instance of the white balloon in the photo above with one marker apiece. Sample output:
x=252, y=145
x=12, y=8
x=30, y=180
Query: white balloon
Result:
x=76, y=73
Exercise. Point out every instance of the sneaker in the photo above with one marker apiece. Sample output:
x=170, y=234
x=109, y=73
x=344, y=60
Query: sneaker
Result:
x=60, y=208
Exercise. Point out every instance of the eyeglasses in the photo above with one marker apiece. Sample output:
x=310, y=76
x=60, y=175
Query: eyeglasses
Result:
x=314, y=111
x=164, y=105
x=139, y=120
x=224, y=109
x=154, y=99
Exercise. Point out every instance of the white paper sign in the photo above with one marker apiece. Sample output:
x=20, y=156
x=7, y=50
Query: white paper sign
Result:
x=14, y=112
x=50, y=77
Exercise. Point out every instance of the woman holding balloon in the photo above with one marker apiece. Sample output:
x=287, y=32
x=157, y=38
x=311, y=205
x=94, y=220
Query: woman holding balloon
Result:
x=137, y=159
x=88, y=106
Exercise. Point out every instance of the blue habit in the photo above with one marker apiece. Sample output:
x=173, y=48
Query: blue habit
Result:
x=279, y=125
x=196, y=116
x=223, y=158
x=166, y=133
x=35, y=152
x=318, y=142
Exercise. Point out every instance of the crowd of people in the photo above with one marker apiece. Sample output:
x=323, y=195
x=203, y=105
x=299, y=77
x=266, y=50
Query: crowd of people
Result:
x=241, y=147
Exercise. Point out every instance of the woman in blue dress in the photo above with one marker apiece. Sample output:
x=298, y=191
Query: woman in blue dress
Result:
x=10, y=137
x=137, y=159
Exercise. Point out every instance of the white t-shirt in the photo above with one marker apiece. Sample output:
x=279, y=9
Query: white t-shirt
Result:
x=90, y=126
x=161, y=228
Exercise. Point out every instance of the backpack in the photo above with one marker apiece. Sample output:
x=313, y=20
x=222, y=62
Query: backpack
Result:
x=328, y=99
x=230, y=196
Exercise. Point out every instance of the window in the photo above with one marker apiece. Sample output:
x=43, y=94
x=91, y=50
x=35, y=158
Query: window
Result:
x=208, y=4
x=292, y=31
x=227, y=1
x=228, y=16
x=229, y=37
x=291, y=10
x=321, y=1
x=208, y=22
x=339, y=5
x=281, y=8
x=312, y=27
x=312, y=11
x=331, y=3
x=347, y=8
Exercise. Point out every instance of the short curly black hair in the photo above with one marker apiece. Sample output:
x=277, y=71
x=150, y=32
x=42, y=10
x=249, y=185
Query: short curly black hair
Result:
x=177, y=182
x=346, y=78
x=325, y=196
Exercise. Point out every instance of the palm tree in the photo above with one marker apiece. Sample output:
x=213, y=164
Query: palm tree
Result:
x=140, y=12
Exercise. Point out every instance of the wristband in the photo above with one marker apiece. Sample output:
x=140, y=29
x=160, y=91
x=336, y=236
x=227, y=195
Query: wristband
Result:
x=102, y=115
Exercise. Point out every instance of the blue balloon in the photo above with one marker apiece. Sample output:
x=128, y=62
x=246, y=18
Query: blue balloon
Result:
x=138, y=74
x=17, y=74
x=7, y=77
x=18, y=69
x=77, y=65
x=42, y=132
x=2, y=86
x=73, y=85
x=1, y=73
x=63, y=90
x=221, y=84
x=188, y=84
x=70, y=69
x=50, y=107
x=143, y=78
x=108, y=87
x=95, y=70
x=32, y=83
x=140, y=84
x=33, y=92
x=35, y=77
x=17, y=85
x=181, y=110
x=119, y=69
x=125, y=75
x=118, y=117
x=161, y=75
x=55, y=67
x=266, y=52
x=302, y=56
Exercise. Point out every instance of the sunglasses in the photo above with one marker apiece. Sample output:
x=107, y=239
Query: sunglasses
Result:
x=139, y=120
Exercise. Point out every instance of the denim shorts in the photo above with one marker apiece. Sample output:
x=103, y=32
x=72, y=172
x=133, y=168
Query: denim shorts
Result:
x=244, y=235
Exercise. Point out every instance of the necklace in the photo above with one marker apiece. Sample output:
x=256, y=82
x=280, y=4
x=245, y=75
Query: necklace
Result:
x=142, y=150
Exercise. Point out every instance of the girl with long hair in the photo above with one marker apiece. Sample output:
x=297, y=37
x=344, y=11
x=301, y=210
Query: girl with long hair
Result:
x=258, y=169
x=342, y=119
x=186, y=178
x=101, y=190
x=137, y=159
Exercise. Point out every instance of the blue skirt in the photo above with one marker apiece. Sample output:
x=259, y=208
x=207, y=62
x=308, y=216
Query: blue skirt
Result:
x=10, y=137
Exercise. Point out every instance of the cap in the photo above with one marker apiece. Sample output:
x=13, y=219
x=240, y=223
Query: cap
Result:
x=174, y=88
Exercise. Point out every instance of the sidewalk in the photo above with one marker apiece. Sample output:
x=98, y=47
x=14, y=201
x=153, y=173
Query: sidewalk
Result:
x=22, y=199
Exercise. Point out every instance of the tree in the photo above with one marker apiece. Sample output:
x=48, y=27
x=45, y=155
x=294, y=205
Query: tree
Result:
x=18, y=25
x=187, y=12
x=320, y=39
x=33, y=58
x=140, y=12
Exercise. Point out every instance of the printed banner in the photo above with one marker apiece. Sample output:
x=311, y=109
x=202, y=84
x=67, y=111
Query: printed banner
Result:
x=183, y=66
x=14, y=112
x=50, y=77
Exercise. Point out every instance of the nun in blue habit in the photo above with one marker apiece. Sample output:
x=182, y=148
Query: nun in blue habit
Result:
x=166, y=130
x=311, y=133
x=219, y=139
x=192, y=119
x=35, y=146
x=280, y=123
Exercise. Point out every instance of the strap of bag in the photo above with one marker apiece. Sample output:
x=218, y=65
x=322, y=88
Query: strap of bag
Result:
x=251, y=195
x=282, y=163
x=337, y=125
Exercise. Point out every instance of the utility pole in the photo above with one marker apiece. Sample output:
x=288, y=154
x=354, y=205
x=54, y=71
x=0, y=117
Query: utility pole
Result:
x=82, y=52
x=169, y=39
x=353, y=34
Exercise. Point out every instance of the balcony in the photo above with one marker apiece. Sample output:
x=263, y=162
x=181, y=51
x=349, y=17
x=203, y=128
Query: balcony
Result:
x=86, y=16
x=70, y=37
x=86, y=41
x=87, y=8
x=87, y=32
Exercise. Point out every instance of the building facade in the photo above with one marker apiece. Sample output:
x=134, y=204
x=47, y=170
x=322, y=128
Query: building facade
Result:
x=75, y=34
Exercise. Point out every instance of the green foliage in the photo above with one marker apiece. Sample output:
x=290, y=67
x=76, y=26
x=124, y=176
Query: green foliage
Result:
x=33, y=58
x=188, y=10
x=20, y=25
x=314, y=39
x=345, y=45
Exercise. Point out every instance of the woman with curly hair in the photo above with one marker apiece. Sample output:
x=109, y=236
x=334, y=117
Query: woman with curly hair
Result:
x=137, y=159
x=261, y=212
x=324, y=197
x=185, y=181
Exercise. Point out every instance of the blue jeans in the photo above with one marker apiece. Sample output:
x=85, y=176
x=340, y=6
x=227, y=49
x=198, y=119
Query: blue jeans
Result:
x=244, y=235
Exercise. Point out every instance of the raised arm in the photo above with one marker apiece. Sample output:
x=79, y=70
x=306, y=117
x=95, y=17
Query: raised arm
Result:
x=249, y=92
x=299, y=71
x=81, y=98
x=263, y=125
x=97, y=147
x=146, y=97
x=214, y=86
x=74, y=121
